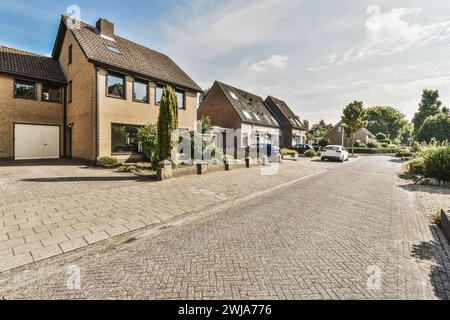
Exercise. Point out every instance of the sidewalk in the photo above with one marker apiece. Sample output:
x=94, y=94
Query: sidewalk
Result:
x=54, y=222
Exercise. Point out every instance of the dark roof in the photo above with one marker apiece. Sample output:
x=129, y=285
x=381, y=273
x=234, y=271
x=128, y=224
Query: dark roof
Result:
x=30, y=65
x=367, y=132
x=132, y=57
x=251, y=108
x=287, y=112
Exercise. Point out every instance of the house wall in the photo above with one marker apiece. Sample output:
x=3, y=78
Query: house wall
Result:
x=336, y=137
x=14, y=110
x=219, y=109
x=127, y=112
x=252, y=132
x=81, y=111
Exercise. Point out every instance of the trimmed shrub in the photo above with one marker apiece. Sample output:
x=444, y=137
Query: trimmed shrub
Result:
x=288, y=152
x=148, y=136
x=107, y=162
x=381, y=136
x=373, y=144
x=310, y=154
x=404, y=153
x=375, y=150
x=437, y=164
x=437, y=127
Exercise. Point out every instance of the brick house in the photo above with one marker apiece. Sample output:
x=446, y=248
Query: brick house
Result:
x=293, y=131
x=89, y=98
x=337, y=136
x=236, y=109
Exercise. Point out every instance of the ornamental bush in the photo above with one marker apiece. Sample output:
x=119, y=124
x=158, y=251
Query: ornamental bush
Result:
x=437, y=164
x=373, y=144
x=107, y=162
x=381, y=136
x=148, y=136
x=310, y=153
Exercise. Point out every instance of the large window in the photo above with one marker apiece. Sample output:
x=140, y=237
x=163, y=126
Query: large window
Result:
x=116, y=85
x=140, y=91
x=180, y=98
x=24, y=90
x=51, y=93
x=124, y=139
x=159, y=91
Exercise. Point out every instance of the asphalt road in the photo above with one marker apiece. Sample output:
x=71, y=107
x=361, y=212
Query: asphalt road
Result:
x=356, y=232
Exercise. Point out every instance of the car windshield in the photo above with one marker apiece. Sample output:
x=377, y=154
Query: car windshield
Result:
x=333, y=148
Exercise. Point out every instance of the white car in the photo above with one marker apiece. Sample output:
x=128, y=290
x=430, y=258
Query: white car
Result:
x=335, y=153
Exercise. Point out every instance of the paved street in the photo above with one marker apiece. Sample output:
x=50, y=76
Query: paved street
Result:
x=319, y=238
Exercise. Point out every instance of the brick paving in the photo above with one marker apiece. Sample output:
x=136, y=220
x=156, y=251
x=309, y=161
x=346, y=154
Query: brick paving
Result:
x=48, y=209
x=316, y=239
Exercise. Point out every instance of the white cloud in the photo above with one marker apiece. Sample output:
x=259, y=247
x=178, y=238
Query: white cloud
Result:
x=275, y=62
x=391, y=32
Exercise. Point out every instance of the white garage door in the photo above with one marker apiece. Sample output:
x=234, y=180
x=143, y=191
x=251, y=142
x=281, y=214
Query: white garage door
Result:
x=36, y=142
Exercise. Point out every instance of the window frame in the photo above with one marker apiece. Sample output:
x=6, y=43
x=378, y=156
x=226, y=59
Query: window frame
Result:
x=184, y=98
x=124, y=152
x=156, y=92
x=23, y=81
x=141, y=81
x=54, y=87
x=70, y=55
x=117, y=74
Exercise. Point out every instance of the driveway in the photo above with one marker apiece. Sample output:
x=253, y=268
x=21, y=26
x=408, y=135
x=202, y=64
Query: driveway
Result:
x=51, y=208
x=351, y=232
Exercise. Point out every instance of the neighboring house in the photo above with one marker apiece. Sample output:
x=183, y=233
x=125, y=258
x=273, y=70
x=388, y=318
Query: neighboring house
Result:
x=114, y=86
x=293, y=131
x=337, y=136
x=31, y=106
x=232, y=108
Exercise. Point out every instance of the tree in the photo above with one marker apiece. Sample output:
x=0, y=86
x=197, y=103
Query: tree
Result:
x=167, y=123
x=353, y=120
x=381, y=136
x=203, y=95
x=148, y=136
x=319, y=130
x=436, y=127
x=446, y=110
x=324, y=142
x=205, y=124
x=387, y=120
x=430, y=106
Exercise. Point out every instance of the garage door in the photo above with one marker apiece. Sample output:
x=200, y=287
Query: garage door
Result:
x=36, y=142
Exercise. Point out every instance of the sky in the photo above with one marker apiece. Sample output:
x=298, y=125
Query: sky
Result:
x=318, y=56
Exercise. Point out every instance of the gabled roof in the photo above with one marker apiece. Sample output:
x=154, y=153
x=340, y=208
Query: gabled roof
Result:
x=250, y=107
x=287, y=112
x=21, y=63
x=132, y=57
x=370, y=134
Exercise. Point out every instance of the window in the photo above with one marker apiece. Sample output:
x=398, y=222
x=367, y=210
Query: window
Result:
x=70, y=54
x=116, y=85
x=247, y=115
x=24, y=90
x=267, y=118
x=113, y=49
x=70, y=92
x=256, y=116
x=140, y=91
x=159, y=90
x=233, y=95
x=124, y=139
x=180, y=98
x=51, y=93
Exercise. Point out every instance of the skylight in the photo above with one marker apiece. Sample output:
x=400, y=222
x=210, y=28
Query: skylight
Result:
x=274, y=120
x=257, y=117
x=233, y=95
x=247, y=115
x=267, y=118
x=112, y=49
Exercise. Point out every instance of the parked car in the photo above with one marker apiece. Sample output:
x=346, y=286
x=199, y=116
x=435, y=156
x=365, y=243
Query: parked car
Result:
x=336, y=153
x=302, y=148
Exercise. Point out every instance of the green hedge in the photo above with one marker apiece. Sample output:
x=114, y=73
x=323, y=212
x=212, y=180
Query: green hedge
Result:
x=374, y=150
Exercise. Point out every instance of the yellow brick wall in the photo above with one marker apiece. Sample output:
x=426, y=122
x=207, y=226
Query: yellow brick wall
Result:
x=81, y=112
x=24, y=111
x=120, y=111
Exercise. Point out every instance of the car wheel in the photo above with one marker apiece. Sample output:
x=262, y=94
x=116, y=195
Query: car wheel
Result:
x=322, y=159
x=341, y=160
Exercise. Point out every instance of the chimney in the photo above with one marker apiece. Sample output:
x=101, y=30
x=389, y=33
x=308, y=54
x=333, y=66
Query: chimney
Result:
x=105, y=27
